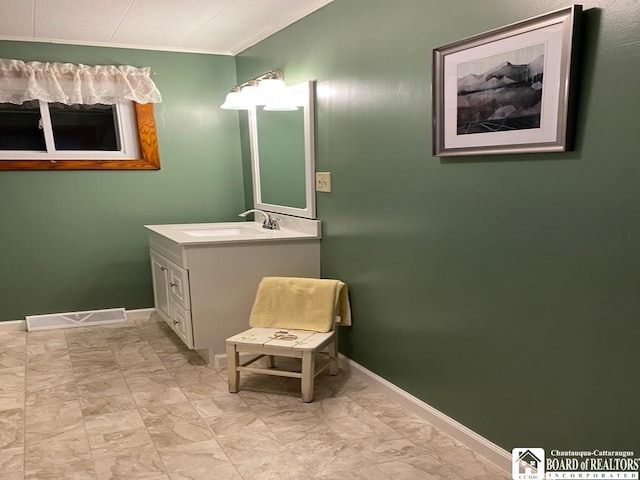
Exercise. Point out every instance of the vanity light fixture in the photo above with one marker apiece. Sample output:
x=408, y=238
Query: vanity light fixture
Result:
x=252, y=94
x=235, y=101
x=267, y=90
x=282, y=103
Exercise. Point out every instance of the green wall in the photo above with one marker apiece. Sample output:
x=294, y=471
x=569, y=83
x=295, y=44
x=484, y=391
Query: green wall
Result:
x=502, y=290
x=75, y=240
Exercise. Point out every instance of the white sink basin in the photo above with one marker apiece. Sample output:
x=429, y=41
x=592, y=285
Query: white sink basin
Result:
x=237, y=232
x=221, y=232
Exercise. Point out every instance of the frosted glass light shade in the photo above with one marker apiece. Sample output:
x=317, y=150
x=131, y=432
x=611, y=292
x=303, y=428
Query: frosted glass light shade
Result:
x=271, y=88
x=251, y=94
x=272, y=92
x=235, y=101
x=284, y=102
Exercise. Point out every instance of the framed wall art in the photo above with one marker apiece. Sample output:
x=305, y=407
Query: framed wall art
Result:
x=509, y=90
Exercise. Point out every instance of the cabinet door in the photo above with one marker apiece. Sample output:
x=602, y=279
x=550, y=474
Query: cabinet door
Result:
x=160, y=269
x=179, y=286
x=181, y=324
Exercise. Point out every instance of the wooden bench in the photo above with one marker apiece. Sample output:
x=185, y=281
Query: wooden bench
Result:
x=277, y=342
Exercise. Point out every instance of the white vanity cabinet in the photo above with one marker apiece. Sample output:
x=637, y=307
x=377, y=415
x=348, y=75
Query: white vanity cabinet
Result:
x=204, y=287
x=171, y=296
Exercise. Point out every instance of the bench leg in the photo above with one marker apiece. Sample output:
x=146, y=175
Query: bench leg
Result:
x=333, y=358
x=271, y=361
x=308, y=375
x=232, y=368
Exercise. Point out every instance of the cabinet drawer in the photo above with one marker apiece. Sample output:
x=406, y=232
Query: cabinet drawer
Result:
x=179, y=286
x=181, y=324
x=168, y=249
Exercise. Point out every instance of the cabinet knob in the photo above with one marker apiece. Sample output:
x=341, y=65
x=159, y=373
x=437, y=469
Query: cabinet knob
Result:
x=176, y=322
x=164, y=269
x=173, y=284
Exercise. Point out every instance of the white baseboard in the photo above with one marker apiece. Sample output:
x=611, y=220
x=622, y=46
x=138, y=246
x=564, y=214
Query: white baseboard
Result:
x=220, y=360
x=468, y=437
x=140, y=314
x=13, y=326
x=21, y=325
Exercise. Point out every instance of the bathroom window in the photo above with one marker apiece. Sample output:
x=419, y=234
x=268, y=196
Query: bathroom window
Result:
x=76, y=117
x=93, y=128
x=40, y=136
x=56, y=131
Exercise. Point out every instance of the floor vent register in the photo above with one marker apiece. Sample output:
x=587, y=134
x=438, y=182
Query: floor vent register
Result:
x=75, y=319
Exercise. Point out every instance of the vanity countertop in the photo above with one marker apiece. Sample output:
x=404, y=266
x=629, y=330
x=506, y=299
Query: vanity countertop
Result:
x=238, y=232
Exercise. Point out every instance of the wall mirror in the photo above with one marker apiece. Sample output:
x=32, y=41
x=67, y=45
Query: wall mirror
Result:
x=283, y=156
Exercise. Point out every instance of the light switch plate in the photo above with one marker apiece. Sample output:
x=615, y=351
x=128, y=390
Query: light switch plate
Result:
x=323, y=181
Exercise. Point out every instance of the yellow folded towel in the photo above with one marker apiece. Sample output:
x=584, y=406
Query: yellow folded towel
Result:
x=300, y=304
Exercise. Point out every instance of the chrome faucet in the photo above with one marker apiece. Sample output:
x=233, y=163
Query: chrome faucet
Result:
x=269, y=223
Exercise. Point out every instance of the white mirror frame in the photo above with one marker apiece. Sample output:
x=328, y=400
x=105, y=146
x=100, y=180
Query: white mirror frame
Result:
x=306, y=93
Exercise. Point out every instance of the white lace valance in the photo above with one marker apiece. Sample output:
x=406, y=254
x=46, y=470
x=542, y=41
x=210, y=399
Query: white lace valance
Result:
x=75, y=84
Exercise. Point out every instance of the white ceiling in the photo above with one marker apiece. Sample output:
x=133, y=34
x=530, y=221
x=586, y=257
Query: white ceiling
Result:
x=224, y=27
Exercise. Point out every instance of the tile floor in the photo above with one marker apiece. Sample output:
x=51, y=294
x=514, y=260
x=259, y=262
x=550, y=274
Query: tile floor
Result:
x=129, y=401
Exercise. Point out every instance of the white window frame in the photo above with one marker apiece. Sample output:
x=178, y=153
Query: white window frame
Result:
x=126, y=131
